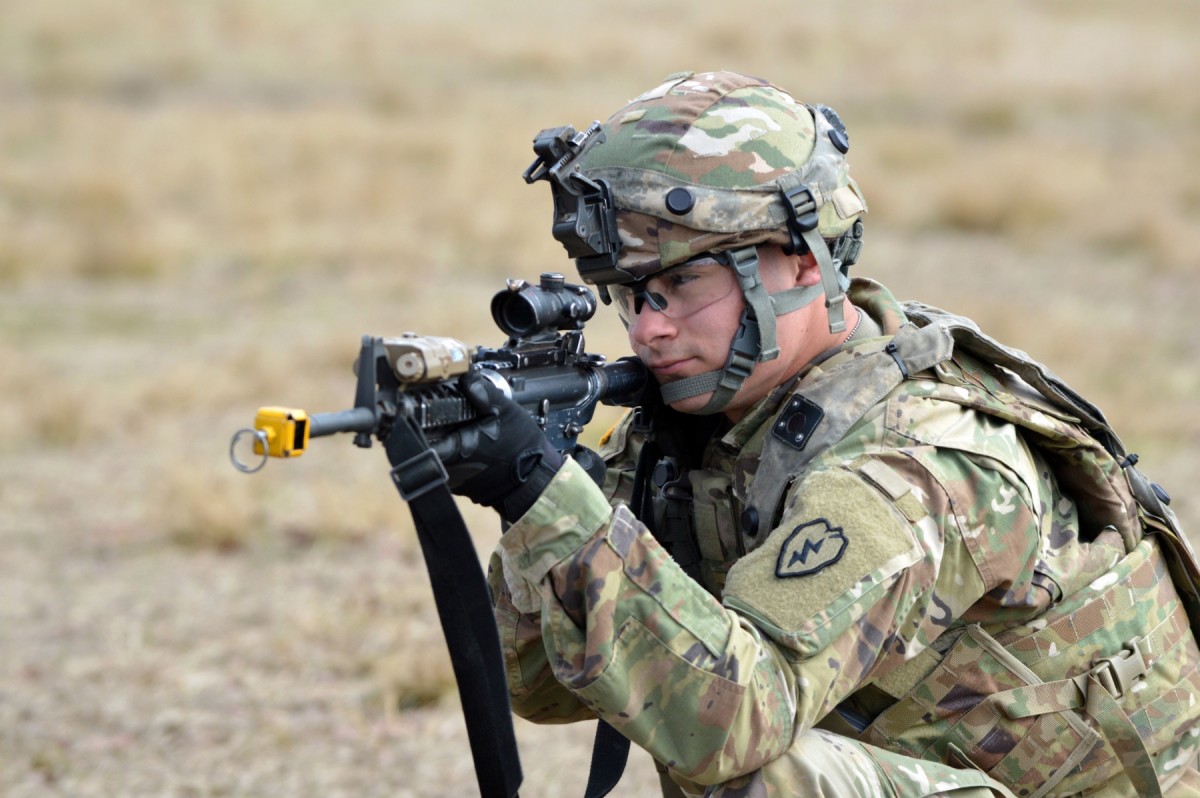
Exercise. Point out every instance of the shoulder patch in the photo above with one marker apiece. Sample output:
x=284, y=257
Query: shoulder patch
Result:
x=812, y=547
x=841, y=541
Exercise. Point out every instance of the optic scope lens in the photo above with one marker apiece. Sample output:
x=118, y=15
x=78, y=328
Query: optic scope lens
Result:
x=517, y=315
x=553, y=305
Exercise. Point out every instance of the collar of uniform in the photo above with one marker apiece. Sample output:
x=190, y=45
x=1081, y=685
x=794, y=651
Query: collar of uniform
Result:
x=879, y=304
x=740, y=433
x=884, y=313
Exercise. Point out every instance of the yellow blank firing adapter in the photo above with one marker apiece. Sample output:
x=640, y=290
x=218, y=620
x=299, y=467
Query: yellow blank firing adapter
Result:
x=278, y=432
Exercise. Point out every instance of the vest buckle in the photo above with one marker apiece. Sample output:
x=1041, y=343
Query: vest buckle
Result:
x=1118, y=673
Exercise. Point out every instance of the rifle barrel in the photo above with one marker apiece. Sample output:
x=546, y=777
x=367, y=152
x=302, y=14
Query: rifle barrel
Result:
x=356, y=419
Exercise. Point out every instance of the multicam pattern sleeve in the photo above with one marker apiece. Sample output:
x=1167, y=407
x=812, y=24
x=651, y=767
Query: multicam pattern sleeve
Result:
x=875, y=556
x=634, y=639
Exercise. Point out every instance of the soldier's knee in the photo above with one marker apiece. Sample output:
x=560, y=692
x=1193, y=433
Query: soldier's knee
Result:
x=820, y=764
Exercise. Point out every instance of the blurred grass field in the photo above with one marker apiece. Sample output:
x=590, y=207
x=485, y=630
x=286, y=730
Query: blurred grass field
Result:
x=204, y=205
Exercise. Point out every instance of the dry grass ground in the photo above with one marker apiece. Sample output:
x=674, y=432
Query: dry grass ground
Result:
x=204, y=205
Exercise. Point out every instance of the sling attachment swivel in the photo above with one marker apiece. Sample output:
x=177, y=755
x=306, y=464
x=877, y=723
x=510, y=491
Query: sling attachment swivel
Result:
x=419, y=474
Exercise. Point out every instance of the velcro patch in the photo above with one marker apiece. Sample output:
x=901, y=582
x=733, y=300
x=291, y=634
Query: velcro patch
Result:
x=848, y=202
x=813, y=576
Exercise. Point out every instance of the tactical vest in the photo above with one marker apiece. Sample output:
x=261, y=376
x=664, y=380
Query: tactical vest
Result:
x=1099, y=690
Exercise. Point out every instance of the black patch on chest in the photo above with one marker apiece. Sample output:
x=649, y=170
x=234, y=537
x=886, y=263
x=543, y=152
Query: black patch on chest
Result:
x=796, y=424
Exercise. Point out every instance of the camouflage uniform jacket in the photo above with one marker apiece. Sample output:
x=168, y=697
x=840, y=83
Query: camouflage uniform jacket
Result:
x=872, y=600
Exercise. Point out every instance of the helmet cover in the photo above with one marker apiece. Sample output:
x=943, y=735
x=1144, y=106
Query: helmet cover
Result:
x=722, y=145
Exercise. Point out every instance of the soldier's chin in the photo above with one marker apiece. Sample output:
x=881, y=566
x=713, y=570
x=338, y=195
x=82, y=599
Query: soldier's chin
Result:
x=692, y=404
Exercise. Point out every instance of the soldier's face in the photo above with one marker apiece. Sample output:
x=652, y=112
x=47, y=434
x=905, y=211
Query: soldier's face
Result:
x=675, y=348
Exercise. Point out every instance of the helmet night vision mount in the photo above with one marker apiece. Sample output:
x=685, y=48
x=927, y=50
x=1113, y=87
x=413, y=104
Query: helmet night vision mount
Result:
x=585, y=219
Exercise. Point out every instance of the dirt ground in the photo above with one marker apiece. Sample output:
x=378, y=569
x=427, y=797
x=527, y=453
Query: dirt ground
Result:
x=204, y=206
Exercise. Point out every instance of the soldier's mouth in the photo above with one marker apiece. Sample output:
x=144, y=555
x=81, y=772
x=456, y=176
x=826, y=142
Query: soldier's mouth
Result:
x=669, y=369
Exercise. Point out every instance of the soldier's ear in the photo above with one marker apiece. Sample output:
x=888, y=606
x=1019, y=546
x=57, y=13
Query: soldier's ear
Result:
x=807, y=272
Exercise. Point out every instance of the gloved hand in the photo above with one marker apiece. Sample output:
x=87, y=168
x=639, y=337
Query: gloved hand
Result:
x=501, y=459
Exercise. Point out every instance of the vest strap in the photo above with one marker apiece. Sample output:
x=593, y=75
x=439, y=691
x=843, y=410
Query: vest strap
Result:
x=874, y=375
x=1116, y=674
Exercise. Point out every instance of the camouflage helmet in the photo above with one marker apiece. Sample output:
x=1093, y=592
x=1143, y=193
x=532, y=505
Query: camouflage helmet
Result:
x=701, y=162
x=710, y=162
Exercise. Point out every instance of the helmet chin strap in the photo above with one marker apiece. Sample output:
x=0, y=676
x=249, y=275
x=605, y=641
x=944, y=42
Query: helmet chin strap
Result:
x=754, y=342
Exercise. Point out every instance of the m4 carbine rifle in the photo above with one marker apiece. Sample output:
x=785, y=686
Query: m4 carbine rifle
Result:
x=543, y=367
x=408, y=390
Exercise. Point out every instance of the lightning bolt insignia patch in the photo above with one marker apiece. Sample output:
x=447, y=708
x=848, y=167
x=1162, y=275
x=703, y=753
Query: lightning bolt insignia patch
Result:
x=812, y=547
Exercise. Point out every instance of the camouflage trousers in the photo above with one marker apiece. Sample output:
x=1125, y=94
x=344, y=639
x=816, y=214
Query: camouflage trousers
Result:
x=821, y=764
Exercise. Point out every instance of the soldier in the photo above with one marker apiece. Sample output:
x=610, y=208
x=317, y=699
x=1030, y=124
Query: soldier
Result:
x=889, y=555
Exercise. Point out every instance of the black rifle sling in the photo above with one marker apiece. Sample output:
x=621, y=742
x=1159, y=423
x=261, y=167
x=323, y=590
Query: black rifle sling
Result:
x=610, y=752
x=464, y=607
